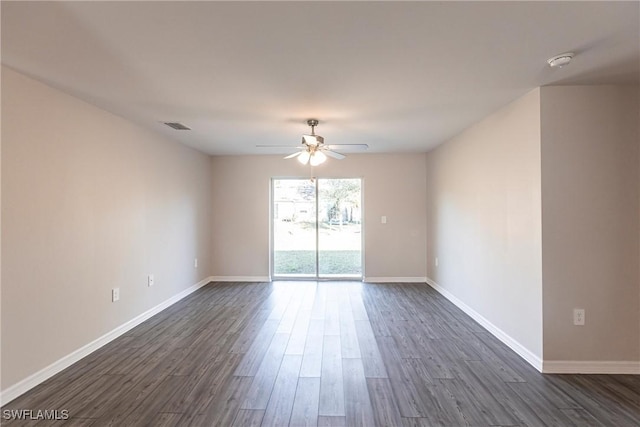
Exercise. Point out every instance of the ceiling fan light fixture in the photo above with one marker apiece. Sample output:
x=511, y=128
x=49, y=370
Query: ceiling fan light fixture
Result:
x=304, y=157
x=318, y=158
x=314, y=151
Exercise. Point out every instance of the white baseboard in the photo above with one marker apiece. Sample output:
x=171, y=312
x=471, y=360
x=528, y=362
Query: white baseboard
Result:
x=544, y=366
x=395, y=279
x=590, y=367
x=30, y=382
x=514, y=345
x=240, y=278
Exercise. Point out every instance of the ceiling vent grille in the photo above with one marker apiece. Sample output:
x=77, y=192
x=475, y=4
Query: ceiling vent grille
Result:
x=177, y=126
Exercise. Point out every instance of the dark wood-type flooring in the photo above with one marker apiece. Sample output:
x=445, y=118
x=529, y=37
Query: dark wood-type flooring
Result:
x=326, y=354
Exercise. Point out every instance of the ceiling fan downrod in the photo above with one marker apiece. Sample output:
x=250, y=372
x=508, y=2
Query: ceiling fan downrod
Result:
x=313, y=123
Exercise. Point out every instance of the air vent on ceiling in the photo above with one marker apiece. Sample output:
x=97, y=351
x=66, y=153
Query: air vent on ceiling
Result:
x=177, y=126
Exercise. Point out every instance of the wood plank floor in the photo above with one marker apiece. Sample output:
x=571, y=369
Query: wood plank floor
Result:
x=322, y=354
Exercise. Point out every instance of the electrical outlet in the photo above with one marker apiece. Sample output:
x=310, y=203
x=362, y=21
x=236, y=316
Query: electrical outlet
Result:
x=436, y=261
x=578, y=316
x=195, y=263
x=115, y=294
x=150, y=280
x=383, y=219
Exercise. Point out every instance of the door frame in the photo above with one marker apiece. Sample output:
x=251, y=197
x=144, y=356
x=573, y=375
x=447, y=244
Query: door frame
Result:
x=317, y=277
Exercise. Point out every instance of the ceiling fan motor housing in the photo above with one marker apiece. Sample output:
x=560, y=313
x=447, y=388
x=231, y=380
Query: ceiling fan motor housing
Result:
x=312, y=140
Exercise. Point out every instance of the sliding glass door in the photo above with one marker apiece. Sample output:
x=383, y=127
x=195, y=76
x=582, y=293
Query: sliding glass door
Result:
x=316, y=228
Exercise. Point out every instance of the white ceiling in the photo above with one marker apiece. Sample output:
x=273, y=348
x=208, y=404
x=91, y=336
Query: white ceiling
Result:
x=399, y=76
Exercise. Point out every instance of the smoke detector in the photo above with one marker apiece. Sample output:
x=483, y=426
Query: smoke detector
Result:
x=561, y=60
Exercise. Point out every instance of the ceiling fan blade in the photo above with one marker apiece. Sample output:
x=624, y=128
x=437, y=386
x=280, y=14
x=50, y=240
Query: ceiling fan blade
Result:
x=334, y=154
x=278, y=146
x=291, y=156
x=348, y=147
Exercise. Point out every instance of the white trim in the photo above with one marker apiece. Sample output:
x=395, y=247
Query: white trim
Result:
x=395, y=279
x=240, y=278
x=42, y=375
x=510, y=342
x=590, y=367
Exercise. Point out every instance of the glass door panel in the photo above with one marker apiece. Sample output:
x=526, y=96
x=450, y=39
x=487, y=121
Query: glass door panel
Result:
x=294, y=228
x=339, y=228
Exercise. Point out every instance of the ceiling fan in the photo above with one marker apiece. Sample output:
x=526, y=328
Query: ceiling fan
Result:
x=314, y=151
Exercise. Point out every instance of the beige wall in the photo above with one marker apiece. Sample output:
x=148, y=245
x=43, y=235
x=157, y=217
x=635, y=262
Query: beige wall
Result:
x=590, y=222
x=394, y=185
x=535, y=211
x=89, y=202
x=484, y=225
